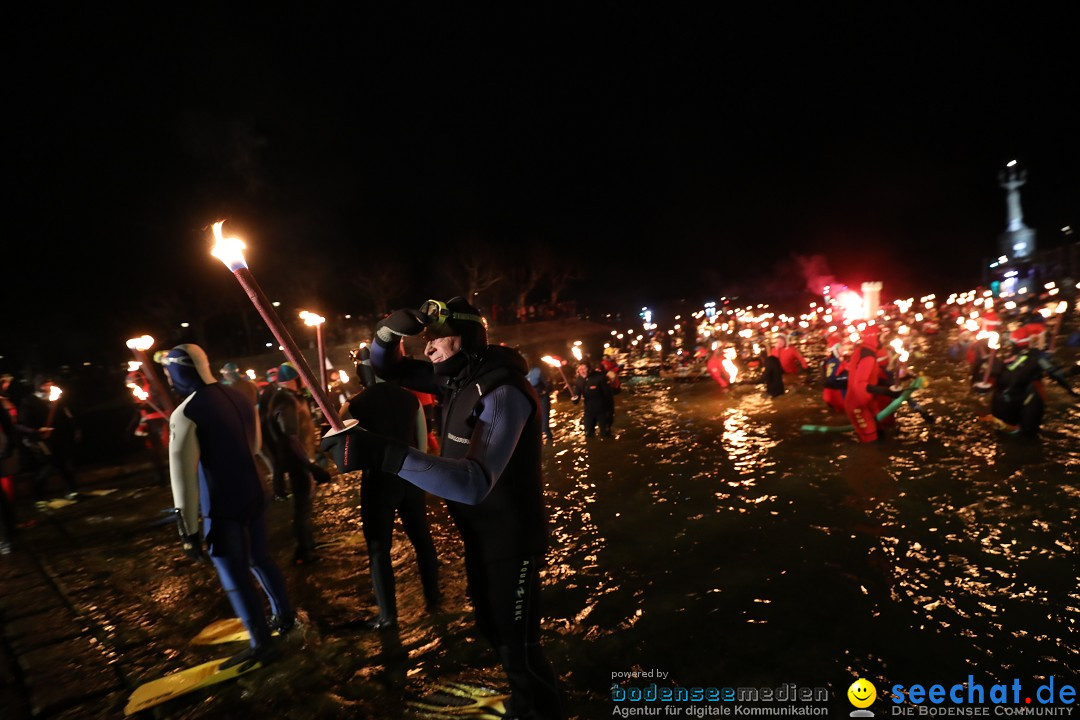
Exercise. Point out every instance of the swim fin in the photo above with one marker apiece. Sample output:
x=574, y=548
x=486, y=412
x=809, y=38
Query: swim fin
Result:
x=456, y=700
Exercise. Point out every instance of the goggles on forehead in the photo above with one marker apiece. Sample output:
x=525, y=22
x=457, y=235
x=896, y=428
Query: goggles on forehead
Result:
x=436, y=313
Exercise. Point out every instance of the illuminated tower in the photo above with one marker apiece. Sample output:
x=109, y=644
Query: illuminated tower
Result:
x=1018, y=240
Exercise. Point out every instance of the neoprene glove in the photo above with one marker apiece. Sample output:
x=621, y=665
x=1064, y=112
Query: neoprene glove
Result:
x=357, y=449
x=192, y=545
x=399, y=323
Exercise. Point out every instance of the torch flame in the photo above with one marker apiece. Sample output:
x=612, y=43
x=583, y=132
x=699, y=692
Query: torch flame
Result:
x=852, y=305
x=133, y=365
x=577, y=353
x=898, y=345
x=251, y=374
x=228, y=250
x=344, y=377
x=311, y=319
x=992, y=340
x=553, y=362
x=142, y=343
x=55, y=393
x=729, y=365
x=139, y=393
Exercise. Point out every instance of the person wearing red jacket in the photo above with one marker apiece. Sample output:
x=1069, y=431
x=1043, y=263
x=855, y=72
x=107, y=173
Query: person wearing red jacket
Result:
x=790, y=358
x=864, y=386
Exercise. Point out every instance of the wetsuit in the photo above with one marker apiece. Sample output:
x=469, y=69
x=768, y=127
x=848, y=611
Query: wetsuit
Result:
x=773, y=376
x=212, y=467
x=864, y=389
x=394, y=412
x=489, y=473
x=1019, y=397
x=54, y=452
x=599, y=401
x=269, y=446
x=790, y=359
x=834, y=375
x=291, y=426
x=543, y=392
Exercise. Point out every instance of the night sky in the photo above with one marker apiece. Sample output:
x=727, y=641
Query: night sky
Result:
x=666, y=153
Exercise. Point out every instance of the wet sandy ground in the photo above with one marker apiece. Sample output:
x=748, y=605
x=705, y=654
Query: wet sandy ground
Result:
x=710, y=539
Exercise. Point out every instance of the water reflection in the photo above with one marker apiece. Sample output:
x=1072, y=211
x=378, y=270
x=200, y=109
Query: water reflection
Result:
x=709, y=538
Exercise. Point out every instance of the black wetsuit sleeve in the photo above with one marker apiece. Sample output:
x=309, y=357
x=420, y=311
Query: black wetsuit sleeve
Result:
x=1053, y=372
x=390, y=363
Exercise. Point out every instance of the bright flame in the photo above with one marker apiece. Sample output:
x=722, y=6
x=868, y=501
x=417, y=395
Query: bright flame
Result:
x=729, y=365
x=1061, y=307
x=897, y=345
x=553, y=362
x=311, y=319
x=343, y=376
x=852, y=304
x=228, y=250
x=139, y=393
x=142, y=343
x=133, y=365
x=55, y=393
x=251, y=374
x=992, y=340
x=577, y=353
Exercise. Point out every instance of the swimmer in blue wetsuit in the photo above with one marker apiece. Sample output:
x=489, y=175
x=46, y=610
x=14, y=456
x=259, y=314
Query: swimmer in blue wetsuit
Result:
x=212, y=440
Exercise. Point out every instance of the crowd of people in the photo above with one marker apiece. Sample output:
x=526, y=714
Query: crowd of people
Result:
x=467, y=423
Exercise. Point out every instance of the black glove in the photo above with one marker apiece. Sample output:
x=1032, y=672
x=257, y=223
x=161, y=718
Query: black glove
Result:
x=192, y=545
x=399, y=323
x=358, y=449
x=883, y=390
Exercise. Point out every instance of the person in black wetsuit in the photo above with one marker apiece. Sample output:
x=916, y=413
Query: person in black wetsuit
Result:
x=489, y=473
x=599, y=399
x=773, y=377
x=390, y=410
x=212, y=438
x=291, y=427
x=50, y=434
x=1019, y=397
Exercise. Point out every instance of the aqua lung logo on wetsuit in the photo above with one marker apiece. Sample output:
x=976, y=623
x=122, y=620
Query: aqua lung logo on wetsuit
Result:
x=457, y=438
x=519, y=603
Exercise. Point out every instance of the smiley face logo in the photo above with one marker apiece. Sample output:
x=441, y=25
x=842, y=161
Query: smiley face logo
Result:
x=862, y=693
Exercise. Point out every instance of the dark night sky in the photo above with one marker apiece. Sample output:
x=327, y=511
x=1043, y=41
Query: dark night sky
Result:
x=669, y=153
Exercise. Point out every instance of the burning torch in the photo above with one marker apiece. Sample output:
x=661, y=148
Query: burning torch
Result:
x=138, y=347
x=311, y=319
x=142, y=396
x=230, y=251
x=54, y=395
x=556, y=362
